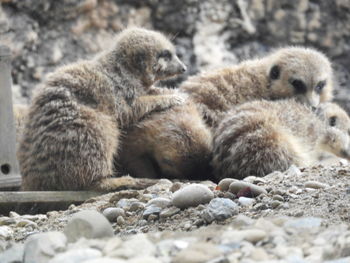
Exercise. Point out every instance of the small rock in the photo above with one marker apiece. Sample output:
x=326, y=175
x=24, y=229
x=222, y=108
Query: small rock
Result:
x=238, y=186
x=105, y=260
x=219, y=209
x=250, y=235
x=278, y=198
x=304, y=223
x=136, y=206
x=112, y=213
x=76, y=255
x=187, y=226
x=137, y=243
x=275, y=203
x=144, y=260
x=6, y=232
x=125, y=194
x=224, y=184
x=242, y=220
x=197, y=253
x=315, y=185
x=192, y=195
x=120, y=220
x=13, y=214
x=126, y=203
x=25, y=222
x=168, y=212
x=111, y=245
x=5, y=220
x=160, y=202
x=293, y=171
x=40, y=248
x=152, y=217
x=88, y=224
x=245, y=201
x=176, y=186
x=13, y=254
x=151, y=210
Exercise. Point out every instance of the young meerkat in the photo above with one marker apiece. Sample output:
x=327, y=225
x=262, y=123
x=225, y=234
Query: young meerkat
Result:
x=73, y=126
x=335, y=116
x=259, y=137
x=303, y=73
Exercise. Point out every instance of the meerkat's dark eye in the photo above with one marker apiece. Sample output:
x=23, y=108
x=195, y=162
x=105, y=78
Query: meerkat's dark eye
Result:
x=275, y=72
x=319, y=87
x=332, y=121
x=299, y=86
x=166, y=54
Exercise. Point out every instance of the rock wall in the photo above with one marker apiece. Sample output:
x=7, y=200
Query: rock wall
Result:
x=44, y=34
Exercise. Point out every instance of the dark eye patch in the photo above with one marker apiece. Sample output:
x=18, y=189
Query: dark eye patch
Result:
x=275, y=72
x=299, y=86
x=165, y=54
x=319, y=87
x=332, y=121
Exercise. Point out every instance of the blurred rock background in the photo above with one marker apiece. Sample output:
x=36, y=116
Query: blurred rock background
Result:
x=44, y=34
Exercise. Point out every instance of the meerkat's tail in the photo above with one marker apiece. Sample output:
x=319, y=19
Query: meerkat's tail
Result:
x=251, y=142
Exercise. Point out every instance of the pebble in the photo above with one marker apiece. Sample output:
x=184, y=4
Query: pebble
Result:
x=293, y=171
x=40, y=248
x=120, y=220
x=151, y=210
x=136, y=206
x=304, y=223
x=88, y=224
x=278, y=198
x=275, y=203
x=13, y=254
x=315, y=185
x=245, y=201
x=126, y=203
x=198, y=253
x=6, y=232
x=76, y=255
x=255, y=190
x=176, y=186
x=105, y=260
x=224, y=184
x=5, y=220
x=112, y=213
x=128, y=248
x=125, y=194
x=192, y=195
x=219, y=209
x=25, y=222
x=160, y=202
x=250, y=235
x=168, y=212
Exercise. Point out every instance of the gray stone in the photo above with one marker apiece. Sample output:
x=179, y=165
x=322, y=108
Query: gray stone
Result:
x=160, y=202
x=245, y=201
x=26, y=222
x=5, y=220
x=235, y=187
x=13, y=254
x=135, y=206
x=197, y=253
x=224, y=184
x=219, y=209
x=275, y=203
x=168, y=212
x=293, y=171
x=6, y=232
x=278, y=198
x=315, y=185
x=88, y=224
x=192, y=195
x=304, y=223
x=105, y=260
x=40, y=248
x=126, y=203
x=151, y=210
x=76, y=255
x=120, y=220
x=112, y=213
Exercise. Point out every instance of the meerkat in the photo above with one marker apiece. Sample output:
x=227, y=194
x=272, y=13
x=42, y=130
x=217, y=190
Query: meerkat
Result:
x=335, y=116
x=259, y=137
x=73, y=127
x=303, y=73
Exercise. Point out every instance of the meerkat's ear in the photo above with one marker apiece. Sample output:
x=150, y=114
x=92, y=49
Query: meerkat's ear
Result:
x=275, y=72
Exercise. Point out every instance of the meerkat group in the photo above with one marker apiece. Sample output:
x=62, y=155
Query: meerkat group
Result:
x=102, y=117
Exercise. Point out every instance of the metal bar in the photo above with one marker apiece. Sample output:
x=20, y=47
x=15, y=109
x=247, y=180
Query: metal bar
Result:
x=9, y=169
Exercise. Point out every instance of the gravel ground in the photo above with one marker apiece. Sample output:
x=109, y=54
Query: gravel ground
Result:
x=301, y=215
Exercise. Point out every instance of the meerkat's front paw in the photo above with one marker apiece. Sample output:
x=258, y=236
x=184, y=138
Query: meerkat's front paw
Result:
x=177, y=99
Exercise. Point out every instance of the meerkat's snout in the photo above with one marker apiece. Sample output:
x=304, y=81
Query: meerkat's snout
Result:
x=169, y=64
x=337, y=142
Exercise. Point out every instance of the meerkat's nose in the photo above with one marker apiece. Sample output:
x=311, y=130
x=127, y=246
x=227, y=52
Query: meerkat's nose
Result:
x=184, y=68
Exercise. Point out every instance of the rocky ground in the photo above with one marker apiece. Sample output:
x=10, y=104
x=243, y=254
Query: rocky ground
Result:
x=301, y=215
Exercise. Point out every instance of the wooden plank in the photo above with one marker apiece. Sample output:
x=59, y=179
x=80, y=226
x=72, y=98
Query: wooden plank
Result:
x=9, y=169
x=46, y=197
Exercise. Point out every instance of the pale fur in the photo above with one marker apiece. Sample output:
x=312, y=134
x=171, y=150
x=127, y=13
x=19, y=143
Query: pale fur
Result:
x=215, y=92
x=259, y=137
x=72, y=131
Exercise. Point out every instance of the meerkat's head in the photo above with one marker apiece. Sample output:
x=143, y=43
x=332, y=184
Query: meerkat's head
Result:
x=336, y=142
x=149, y=55
x=303, y=73
x=334, y=116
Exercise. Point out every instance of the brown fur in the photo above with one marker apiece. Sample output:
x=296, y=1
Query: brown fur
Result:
x=259, y=137
x=20, y=112
x=214, y=93
x=74, y=122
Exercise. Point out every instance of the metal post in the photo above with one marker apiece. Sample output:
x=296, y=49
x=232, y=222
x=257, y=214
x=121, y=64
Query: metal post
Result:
x=9, y=170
